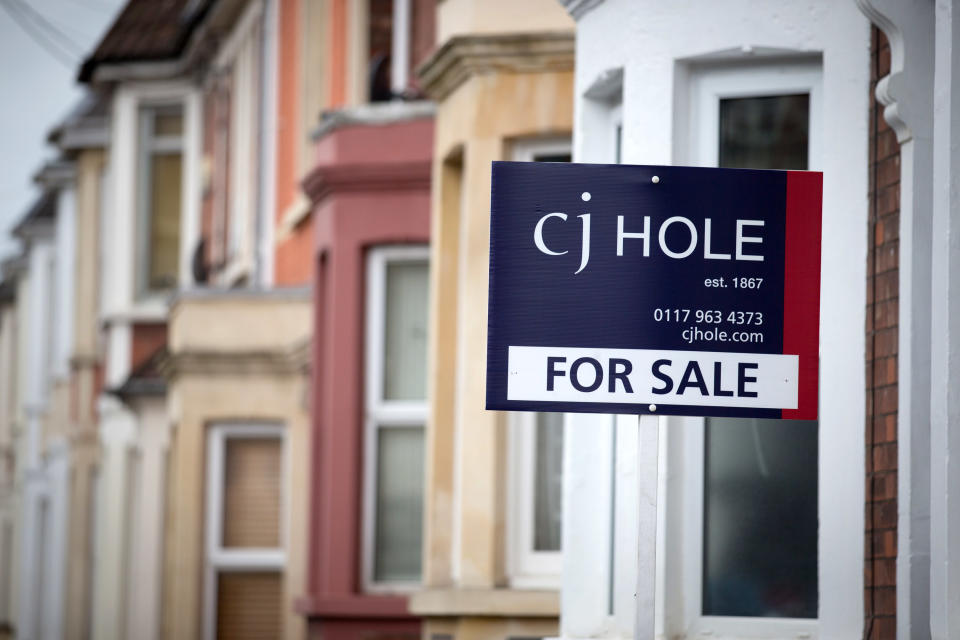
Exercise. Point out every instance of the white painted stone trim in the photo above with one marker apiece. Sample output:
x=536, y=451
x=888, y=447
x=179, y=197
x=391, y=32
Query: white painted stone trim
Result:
x=378, y=412
x=945, y=329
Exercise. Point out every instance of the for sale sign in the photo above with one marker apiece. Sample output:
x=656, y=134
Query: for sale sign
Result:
x=647, y=289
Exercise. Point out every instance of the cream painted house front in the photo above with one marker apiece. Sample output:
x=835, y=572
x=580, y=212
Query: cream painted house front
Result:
x=502, y=76
x=238, y=479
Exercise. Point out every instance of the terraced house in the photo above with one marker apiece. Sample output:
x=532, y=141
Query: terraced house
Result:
x=841, y=528
x=203, y=416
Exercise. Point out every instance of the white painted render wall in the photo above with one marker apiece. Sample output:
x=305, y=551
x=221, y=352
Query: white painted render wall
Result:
x=146, y=520
x=35, y=338
x=653, y=44
x=117, y=433
x=56, y=469
x=126, y=596
x=20, y=443
x=46, y=330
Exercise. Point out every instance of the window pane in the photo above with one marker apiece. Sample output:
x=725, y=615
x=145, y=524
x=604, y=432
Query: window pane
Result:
x=405, y=343
x=249, y=605
x=399, y=504
x=548, y=496
x=252, y=492
x=164, y=219
x=552, y=157
x=760, y=518
x=770, y=132
x=760, y=493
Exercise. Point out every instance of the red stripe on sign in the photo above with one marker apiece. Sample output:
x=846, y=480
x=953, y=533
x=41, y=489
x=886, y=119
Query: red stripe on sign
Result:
x=801, y=290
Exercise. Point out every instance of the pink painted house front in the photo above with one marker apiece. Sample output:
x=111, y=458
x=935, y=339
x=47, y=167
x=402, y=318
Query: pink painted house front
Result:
x=370, y=194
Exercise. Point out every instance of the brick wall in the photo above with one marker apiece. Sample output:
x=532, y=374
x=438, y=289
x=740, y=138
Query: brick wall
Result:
x=880, y=577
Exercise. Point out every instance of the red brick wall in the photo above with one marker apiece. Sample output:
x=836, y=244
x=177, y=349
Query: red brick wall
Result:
x=883, y=257
x=423, y=36
x=147, y=338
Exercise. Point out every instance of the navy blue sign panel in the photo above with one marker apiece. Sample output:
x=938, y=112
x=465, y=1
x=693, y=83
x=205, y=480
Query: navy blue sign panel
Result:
x=648, y=289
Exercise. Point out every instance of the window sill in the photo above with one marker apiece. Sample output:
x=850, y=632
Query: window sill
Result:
x=153, y=308
x=536, y=581
x=486, y=602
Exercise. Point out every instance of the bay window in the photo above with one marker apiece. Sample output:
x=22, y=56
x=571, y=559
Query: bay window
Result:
x=395, y=415
x=750, y=487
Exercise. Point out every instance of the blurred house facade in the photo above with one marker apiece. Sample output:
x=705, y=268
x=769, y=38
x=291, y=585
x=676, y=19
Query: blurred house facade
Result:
x=369, y=193
x=148, y=220
x=52, y=242
x=51, y=435
x=502, y=77
x=212, y=419
x=82, y=138
x=8, y=407
x=8, y=502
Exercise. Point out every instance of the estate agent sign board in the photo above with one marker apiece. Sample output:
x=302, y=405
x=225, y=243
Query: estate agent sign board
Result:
x=647, y=289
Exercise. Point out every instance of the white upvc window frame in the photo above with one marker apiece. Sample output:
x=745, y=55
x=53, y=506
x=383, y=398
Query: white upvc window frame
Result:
x=240, y=57
x=121, y=300
x=529, y=149
x=147, y=145
x=685, y=441
x=710, y=85
x=528, y=568
x=380, y=413
x=219, y=559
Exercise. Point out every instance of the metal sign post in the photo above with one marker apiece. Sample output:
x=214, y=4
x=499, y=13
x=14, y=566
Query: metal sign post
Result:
x=647, y=475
